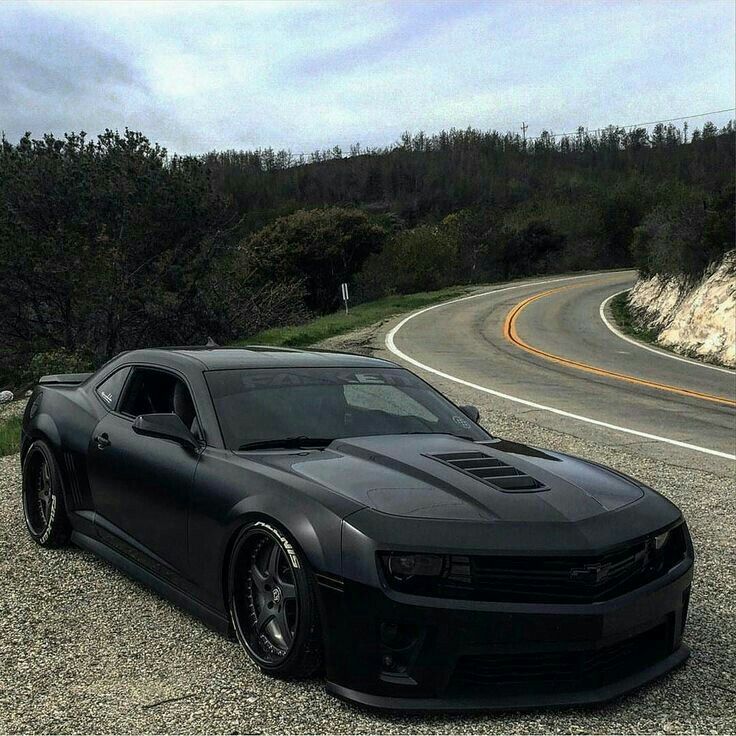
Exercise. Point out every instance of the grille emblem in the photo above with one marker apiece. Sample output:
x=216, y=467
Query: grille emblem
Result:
x=592, y=573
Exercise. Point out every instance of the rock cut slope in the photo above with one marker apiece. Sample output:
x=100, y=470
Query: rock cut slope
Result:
x=697, y=320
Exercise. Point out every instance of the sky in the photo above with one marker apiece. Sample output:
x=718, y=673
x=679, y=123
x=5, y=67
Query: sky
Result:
x=310, y=75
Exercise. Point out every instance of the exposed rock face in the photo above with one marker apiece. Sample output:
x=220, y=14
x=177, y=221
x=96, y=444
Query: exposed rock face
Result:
x=695, y=319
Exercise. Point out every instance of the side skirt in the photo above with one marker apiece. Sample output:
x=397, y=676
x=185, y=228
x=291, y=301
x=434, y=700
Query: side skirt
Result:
x=214, y=619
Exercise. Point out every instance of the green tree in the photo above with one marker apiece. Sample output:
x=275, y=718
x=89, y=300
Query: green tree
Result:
x=421, y=259
x=104, y=244
x=474, y=230
x=322, y=248
x=532, y=250
x=621, y=209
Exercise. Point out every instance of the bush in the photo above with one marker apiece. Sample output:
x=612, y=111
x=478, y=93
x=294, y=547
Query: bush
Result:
x=533, y=250
x=238, y=302
x=422, y=259
x=685, y=234
x=475, y=232
x=57, y=361
x=622, y=208
x=574, y=214
x=319, y=248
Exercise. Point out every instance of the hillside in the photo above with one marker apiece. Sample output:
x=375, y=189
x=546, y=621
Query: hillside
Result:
x=112, y=243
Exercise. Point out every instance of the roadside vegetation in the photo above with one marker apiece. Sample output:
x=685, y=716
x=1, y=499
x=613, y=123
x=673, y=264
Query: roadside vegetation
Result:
x=9, y=435
x=112, y=243
x=338, y=323
x=625, y=320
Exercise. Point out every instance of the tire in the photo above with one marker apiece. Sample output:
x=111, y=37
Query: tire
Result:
x=273, y=604
x=44, y=509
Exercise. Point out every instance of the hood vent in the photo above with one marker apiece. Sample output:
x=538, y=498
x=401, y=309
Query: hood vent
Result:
x=491, y=471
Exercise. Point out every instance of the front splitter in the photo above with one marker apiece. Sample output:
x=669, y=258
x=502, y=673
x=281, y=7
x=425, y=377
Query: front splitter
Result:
x=519, y=701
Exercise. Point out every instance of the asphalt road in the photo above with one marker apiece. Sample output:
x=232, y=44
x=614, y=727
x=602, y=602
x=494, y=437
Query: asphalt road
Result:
x=547, y=344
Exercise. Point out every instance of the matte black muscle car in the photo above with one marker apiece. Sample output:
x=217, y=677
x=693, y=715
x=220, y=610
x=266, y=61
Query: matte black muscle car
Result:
x=339, y=515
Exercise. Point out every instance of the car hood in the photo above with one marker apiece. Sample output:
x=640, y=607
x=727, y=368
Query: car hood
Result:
x=402, y=475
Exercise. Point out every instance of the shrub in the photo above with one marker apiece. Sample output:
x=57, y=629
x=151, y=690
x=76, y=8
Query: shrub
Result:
x=57, y=361
x=421, y=259
x=535, y=249
x=320, y=248
x=685, y=234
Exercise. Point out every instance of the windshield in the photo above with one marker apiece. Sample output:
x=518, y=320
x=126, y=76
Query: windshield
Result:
x=259, y=406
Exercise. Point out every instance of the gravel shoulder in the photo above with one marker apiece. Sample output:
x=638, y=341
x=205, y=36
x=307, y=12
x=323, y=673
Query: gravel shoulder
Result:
x=85, y=649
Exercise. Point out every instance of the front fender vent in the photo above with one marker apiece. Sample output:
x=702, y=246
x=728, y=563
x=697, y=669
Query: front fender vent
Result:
x=491, y=471
x=76, y=480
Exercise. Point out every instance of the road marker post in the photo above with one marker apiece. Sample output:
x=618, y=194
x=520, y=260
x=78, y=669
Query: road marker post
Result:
x=345, y=296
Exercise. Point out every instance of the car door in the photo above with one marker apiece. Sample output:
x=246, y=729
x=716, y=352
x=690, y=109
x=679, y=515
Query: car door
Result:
x=141, y=486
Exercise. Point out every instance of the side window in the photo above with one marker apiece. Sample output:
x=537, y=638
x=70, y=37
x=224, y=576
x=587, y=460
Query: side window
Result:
x=152, y=391
x=389, y=399
x=109, y=390
x=149, y=391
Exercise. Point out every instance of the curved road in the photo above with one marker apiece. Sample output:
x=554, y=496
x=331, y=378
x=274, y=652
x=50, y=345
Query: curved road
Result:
x=547, y=347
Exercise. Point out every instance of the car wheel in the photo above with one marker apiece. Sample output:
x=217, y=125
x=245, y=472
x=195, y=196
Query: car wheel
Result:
x=43, y=500
x=272, y=603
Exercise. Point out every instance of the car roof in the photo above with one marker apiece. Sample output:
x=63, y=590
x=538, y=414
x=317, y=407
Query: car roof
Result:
x=254, y=356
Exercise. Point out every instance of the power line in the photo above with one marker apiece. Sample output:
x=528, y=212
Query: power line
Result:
x=642, y=125
x=525, y=127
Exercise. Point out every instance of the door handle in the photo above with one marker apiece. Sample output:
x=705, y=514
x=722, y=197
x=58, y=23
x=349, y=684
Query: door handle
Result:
x=102, y=441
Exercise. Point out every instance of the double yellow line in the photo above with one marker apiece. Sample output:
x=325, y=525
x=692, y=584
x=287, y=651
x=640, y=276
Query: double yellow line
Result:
x=510, y=333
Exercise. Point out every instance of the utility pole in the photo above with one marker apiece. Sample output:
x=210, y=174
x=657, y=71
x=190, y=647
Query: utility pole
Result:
x=524, y=127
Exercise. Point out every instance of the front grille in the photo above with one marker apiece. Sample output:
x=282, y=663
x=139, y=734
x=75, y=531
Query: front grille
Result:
x=553, y=579
x=562, y=670
x=537, y=579
x=491, y=471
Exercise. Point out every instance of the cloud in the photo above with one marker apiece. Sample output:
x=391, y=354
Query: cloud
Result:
x=197, y=76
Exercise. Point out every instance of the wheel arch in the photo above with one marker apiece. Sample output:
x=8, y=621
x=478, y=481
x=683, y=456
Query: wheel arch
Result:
x=235, y=533
x=299, y=530
x=44, y=428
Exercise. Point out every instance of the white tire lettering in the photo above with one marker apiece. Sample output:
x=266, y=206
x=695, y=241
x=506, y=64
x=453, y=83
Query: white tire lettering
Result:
x=50, y=525
x=284, y=542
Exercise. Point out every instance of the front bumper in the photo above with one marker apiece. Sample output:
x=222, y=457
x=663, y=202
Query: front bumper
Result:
x=390, y=650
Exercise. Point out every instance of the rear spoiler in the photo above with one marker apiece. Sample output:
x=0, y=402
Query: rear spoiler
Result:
x=64, y=379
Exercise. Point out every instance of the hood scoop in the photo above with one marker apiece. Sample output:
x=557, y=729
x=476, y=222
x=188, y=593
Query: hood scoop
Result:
x=491, y=471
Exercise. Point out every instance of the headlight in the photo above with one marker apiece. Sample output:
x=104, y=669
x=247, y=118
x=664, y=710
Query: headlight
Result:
x=404, y=565
x=670, y=548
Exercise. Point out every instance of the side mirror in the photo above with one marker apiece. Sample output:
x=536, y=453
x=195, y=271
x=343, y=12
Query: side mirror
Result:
x=471, y=412
x=165, y=426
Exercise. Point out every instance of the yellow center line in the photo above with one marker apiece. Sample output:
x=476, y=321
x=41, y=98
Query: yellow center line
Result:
x=511, y=334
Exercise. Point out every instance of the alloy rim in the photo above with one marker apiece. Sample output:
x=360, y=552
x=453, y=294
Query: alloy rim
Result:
x=273, y=605
x=39, y=494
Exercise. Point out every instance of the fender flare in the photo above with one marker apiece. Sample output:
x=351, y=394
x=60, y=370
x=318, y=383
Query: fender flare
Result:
x=43, y=426
x=300, y=530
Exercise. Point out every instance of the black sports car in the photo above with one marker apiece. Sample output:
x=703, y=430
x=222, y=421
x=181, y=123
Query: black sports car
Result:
x=337, y=513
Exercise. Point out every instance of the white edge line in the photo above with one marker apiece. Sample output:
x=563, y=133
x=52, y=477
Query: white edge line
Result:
x=639, y=344
x=391, y=346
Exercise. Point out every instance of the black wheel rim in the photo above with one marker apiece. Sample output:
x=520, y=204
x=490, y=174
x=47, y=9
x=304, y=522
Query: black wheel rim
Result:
x=38, y=496
x=271, y=601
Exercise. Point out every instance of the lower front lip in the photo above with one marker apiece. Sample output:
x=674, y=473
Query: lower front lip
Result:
x=471, y=655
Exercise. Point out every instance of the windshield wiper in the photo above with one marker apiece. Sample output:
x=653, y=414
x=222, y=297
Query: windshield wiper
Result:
x=287, y=443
